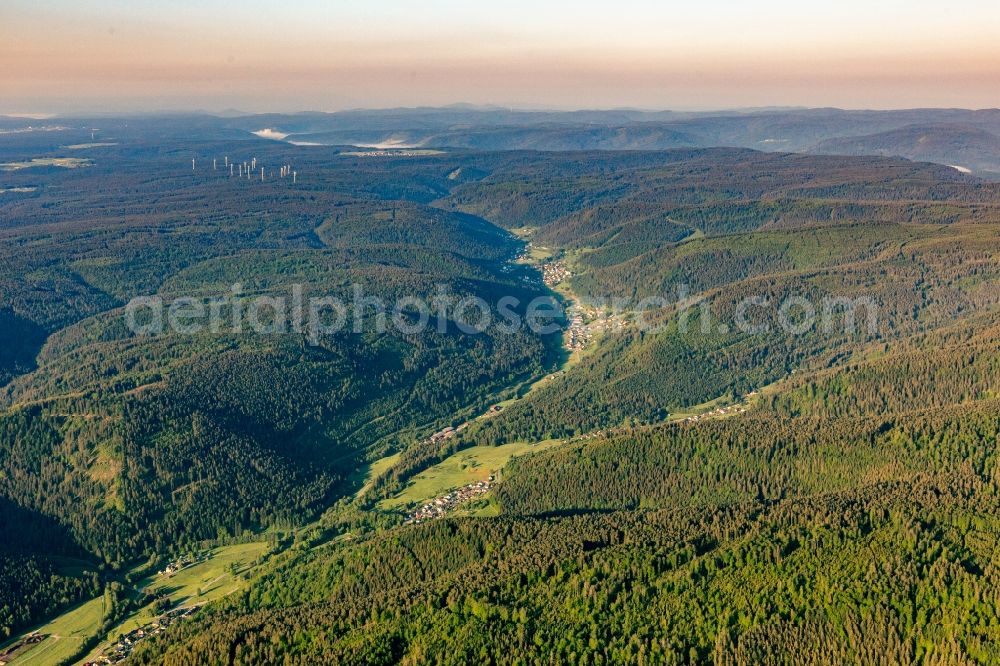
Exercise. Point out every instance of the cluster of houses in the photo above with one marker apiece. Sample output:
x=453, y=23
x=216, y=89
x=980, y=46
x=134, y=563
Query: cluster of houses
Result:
x=450, y=431
x=554, y=272
x=578, y=334
x=719, y=411
x=738, y=408
x=183, y=562
x=439, y=506
x=447, y=433
x=584, y=322
x=120, y=651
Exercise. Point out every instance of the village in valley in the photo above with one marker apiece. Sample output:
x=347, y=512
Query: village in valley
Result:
x=120, y=650
x=440, y=506
x=585, y=321
x=107, y=629
x=718, y=411
x=554, y=272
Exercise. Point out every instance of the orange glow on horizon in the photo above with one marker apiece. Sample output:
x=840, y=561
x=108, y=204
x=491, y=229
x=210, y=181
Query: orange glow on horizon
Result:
x=249, y=60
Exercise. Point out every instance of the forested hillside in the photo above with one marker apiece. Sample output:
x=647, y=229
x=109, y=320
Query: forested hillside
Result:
x=857, y=531
x=142, y=445
x=696, y=484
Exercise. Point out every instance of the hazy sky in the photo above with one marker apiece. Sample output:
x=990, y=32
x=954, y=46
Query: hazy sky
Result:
x=58, y=55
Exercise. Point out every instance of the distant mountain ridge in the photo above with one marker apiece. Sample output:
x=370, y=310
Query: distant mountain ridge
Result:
x=947, y=136
x=958, y=137
x=964, y=146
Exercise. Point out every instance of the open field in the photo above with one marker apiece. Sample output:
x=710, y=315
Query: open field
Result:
x=199, y=583
x=371, y=472
x=466, y=466
x=196, y=584
x=64, y=162
x=66, y=635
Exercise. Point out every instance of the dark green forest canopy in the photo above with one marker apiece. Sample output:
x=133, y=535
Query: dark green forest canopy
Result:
x=847, y=514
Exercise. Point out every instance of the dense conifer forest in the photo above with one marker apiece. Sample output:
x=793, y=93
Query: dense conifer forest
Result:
x=692, y=492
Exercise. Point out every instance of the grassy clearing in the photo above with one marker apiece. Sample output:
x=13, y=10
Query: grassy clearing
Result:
x=67, y=634
x=466, y=466
x=483, y=508
x=369, y=473
x=198, y=584
x=536, y=254
x=64, y=162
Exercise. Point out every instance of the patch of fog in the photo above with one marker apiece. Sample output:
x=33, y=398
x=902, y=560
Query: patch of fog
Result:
x=387, y=145
x=30, y=116
x=960, y=169
x=393, y=152
x=306, y=143
x=268, y=133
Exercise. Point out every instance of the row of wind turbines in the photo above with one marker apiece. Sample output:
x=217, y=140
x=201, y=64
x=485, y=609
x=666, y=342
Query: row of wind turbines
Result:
x=248, y=169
